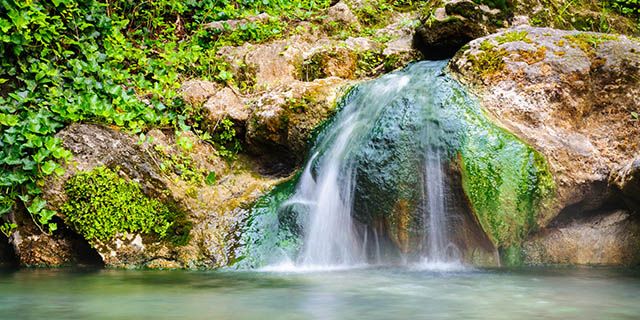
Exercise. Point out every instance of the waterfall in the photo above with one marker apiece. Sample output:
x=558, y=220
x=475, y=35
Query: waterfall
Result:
x=394, y=178
x=327, y=182
x=326, y=186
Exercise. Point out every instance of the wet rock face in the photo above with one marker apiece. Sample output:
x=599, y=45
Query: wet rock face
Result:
x=610, y=238
x=282, y=123
x=450, y=27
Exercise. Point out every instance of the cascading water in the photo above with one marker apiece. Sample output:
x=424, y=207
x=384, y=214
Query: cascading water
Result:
x=330, y=236
x=327, y=185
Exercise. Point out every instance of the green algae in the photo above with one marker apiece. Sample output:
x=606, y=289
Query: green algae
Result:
x=272, y=230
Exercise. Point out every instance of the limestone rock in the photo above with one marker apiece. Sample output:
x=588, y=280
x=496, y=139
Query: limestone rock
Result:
x=332, y=62
x=226, y=104
x=341, y=14
x=282, y=121
x=627, y=179
x=196, y=92
x=567, y=94
x=612, y=238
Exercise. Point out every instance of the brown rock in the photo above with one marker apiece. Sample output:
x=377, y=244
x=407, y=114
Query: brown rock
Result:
x=210, y=208
x=441, y=35
x=225, y=104
x=612, y=238
x=341, y=14
x=196, y=92
x=282, y=121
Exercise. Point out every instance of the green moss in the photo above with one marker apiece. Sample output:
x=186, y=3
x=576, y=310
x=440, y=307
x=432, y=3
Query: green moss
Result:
x=183, y=166
x=511, y=256
x=513, y=36
x=489, y=60
x=373, y=13
x=272, y=231
x=589, y=42
x=100, y=205
x=506, y=181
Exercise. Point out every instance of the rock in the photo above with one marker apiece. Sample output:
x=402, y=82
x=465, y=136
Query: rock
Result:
x=169, y=168
x=611, y=238
x=566, y=93
x=626, y=179
x=341, y=15
x=196, y=92
x=332, y=62
x=441, y=35
x=226, y=104
x=283, y=121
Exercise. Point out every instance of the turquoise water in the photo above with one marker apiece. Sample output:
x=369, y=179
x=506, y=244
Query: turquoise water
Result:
x=371, y=293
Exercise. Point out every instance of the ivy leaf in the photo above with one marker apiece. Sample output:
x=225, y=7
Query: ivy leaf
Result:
x=45, y=216
x=37, y=205
x=48, y=167
x=211, y=178
x=9, y=120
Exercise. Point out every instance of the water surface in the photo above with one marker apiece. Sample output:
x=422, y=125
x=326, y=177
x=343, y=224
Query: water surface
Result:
x=366, y=293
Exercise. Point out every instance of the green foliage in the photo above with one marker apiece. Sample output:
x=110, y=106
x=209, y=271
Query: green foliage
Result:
x=100, y=205
x=626, y=7
x=373, y=13
x=587, y=15
x=226, y=139
x=116, y=62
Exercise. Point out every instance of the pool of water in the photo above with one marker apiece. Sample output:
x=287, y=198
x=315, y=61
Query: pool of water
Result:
x=365, y=293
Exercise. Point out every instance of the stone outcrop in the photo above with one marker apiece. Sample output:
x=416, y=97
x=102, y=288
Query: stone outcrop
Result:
x=164, y=171
x=611, y=238
x=569, y=95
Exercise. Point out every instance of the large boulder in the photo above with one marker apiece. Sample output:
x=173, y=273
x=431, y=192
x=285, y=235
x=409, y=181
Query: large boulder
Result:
x=283, y=121
x=569, y=95
x=162, y=172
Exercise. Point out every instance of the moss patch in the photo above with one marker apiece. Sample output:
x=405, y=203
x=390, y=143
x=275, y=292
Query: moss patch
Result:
x=507, y=181
x=513, y=36
x=488, y=61
x=101, y=204
x=589, y=42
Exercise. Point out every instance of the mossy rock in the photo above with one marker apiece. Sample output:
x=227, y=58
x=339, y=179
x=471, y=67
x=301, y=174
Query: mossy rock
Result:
x=101, y=205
